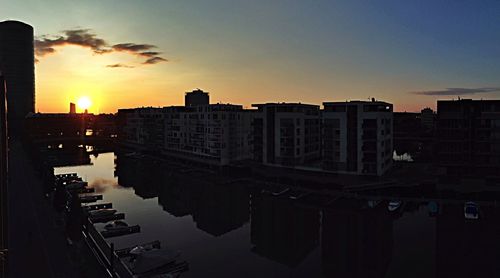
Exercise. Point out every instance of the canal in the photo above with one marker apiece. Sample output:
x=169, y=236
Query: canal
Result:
x=238, y=230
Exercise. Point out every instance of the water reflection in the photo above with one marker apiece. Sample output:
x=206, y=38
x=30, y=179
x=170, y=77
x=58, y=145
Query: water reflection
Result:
x=281, y=230
x=356, y=242
x=211, y=220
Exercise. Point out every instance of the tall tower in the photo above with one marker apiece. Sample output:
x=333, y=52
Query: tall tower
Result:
x=17, y=64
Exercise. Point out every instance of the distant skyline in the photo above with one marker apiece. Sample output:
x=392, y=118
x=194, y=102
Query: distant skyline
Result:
x=127, y=53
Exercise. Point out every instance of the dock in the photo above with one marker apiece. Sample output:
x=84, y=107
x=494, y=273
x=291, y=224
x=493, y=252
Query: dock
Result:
x=90, y=198
x=98, y=206
x=121, y=232
x=107, y=218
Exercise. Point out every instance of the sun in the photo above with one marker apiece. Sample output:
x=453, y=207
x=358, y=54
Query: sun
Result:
x=84, y=103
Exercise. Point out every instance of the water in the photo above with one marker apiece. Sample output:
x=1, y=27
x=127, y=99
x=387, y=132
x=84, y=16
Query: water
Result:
x=235, y=230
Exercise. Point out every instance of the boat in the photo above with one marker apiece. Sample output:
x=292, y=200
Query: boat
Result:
x=75, y=185
x=471, y=211
x=102, y=212
x=394, y=205
x=115, y=225
x=90, y=198
x=150, y=260
x=120, y=231
x=125, y=252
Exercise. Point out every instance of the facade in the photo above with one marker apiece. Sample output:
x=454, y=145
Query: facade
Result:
x=17, y=65
x=215, y=133
x=141, y=127
x=468, y=135
x=428, y=118
x=286, y=134
x=357, y=137
x=196, y=97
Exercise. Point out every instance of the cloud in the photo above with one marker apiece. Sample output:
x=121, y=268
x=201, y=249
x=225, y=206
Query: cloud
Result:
x=119, y=66
x=79, y=37
x=45, y=45
x=458, y=91
x=154, y=60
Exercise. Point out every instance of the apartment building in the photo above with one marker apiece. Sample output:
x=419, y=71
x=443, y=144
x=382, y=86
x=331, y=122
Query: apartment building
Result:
x=141, y=127
x=286, y=134
x=468, y=135
x=214, y=133
x=357, y=137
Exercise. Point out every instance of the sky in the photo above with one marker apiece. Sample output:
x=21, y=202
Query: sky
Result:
x=409, y=53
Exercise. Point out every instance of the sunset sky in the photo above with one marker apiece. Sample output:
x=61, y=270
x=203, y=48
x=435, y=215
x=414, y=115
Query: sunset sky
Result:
x=130, y=53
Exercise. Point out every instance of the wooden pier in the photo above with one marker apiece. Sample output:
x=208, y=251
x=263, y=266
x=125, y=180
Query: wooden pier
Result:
x=121, y=231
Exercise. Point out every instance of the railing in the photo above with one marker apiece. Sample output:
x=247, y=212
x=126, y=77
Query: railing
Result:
x=104, y=252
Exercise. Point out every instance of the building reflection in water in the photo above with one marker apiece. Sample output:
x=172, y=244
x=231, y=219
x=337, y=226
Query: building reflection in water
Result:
x=356, y=241
x=468, y=248
x=143, y=175
x=281, y=230
x=216, y=209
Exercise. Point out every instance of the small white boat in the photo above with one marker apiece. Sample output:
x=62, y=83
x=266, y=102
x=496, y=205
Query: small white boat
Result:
x=115, y=225
x=471, y=211
x=394, y=205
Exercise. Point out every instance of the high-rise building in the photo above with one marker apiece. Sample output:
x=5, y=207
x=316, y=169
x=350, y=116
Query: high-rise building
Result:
x=72, y=108
x=17, y=65
x=468, y=135
x=196, y=97
x=357, y=137
x=286, y=134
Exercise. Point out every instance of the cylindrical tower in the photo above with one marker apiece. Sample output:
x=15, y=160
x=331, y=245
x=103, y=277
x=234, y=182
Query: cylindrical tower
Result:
x=17, y=64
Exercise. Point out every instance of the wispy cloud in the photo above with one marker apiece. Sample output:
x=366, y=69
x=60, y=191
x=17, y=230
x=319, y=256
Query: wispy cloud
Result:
x=45, y=45
x=119, y=65
x=458, y=91
x=154, y=60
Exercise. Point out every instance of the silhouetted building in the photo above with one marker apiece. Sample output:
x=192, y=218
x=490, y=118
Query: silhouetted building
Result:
x=17, y=65
x=215, y=134
x=355, y=242
x=357, y=137
x=286, y=134
x=142, y=128
x=196, y=97
x=4, y=200
x=468, y=134
x=281, y=231
x=72, y=108
x=428, y=118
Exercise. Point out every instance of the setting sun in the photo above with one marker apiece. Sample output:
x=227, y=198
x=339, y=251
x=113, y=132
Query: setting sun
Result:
x=84, y=103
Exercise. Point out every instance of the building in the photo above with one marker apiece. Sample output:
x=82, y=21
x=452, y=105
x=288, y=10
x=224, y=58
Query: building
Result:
x=196, y=97
x=286, y=134
x=17, y=65
x=215, y=133
x=141, y=128
x=4, y=200
x=428, y=118
x=72, y=108
x=468, y=137
x=357, y=137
